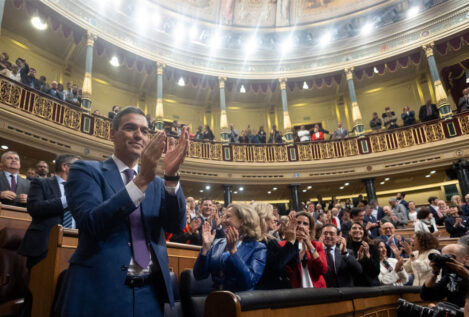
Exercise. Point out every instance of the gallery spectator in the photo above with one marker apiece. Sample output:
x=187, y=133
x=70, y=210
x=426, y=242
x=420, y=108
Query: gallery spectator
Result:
x=303, y=134
x=13, y=188
x=391, y=269
x=244, y=137
x=233, y=135
x=31, y=173
x=412, y=211
x=199, y=135
x=317, y=134
x=408, y=116
x=275, y=136
x=53, y=90
x=375, y=122
x=15, y=74
x=255, y=139
x=75, y=97
x=463, y=103
x=112, y=114
x=42, y=169
x=340, y=132
x=428, y=112
x=425, y=222
x=262, y=135
x=208, y=134
x=456, y=225
x=389, y=119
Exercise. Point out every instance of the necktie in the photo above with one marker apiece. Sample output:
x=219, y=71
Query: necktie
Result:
x=67, y=221
x=139, y=245
x=13, y=183
x=330, y=259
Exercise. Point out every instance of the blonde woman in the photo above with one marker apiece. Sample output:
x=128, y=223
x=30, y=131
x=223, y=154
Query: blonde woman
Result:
x=236, y=263
x=275, y=274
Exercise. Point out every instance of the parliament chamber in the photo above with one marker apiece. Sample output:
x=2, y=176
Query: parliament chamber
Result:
x=344, y=113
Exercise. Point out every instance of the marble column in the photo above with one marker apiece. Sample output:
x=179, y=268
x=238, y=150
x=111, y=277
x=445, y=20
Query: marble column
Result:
x=357, y=124
x=227, y=192
x=441, y=98
x=370, y=189
x=86, y=90
x=286, y=116
x=295, y=197
x=159, y=111
x=462, y=173
x=223, y=116
x=2, y=11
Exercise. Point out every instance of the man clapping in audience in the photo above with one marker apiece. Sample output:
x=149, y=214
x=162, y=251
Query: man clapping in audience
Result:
x=42, y=169
x=14, y=189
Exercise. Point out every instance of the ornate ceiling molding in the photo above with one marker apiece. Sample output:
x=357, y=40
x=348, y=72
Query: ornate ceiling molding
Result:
x=431, y=25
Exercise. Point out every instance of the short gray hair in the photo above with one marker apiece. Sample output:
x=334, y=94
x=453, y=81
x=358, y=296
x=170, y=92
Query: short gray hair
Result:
x=4, y=154
x=130, y=109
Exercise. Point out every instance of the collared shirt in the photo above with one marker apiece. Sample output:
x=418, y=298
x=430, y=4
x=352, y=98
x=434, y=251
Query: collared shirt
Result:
x=374, y=212
x=137, y=196
x=63, y=198
x=332, y=251
x=306, y=281
x=7, y=174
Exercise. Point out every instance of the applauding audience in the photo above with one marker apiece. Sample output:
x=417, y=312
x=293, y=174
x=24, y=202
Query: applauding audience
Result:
x=237, y=262
x=391, y=269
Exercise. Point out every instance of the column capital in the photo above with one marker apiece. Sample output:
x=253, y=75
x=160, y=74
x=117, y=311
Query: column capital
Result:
x=91, y=38
x=283, y=83
x=349, y=73
x=428, y=48
x=159, y=68
x=221, y=81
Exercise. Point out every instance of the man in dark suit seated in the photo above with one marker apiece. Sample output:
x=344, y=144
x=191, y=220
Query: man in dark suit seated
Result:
x=14, y=189
x=120, y=267
x=428, y=112
x=46, y=205
x=342, y=265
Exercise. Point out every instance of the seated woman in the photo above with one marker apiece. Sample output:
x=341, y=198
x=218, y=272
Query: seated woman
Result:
x=275, y=275
x=425, y=222
x=391, y=270
x=236, y=263
x=366, y=254
x=308, y=268
x=424, y=243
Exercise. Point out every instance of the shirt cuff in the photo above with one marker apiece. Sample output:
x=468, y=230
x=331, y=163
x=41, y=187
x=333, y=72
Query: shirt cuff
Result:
x=172, y=190
x=63, y=199
x=136, y=195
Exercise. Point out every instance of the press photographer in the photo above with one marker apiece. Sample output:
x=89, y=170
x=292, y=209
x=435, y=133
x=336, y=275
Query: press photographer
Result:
x=453, y=285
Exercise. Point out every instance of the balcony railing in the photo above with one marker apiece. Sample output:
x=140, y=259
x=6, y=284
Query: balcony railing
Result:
x=58, y=112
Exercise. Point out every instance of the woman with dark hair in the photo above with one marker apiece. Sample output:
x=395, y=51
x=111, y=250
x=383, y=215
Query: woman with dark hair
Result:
x=208, y=134
x=307, y=269
x=425, y=222
x=424, y=243
x=391, y=269
x=367, y=255
x=236, y=263
x=275, y=275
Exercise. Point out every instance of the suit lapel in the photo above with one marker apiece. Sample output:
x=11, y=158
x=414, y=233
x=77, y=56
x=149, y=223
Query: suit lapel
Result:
x=4, y=182
x=20, y=186
x=112, y=175
x=338, y=260
x=55, y=187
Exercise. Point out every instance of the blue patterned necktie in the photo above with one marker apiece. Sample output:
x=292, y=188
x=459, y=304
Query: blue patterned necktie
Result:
x=67, y=221
x=137, y=233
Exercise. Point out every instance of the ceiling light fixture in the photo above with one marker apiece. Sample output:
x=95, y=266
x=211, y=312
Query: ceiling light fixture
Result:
x=305, y=85
x=275, y=188
x=193, y=32
x=178, y=33
x=428, y=176
x=304, y=190
x=241, y=189
x=4, y=147
x=181, y=82
x=386, y=179
x=38, y=23
x=269, y=192
x=342, y=187
x=432, y=172
x=250, y=45
x=413, y=12
x=309, y=187
x=382, y=183
x=207, y=187
x=287, y=45
x=114, y=61
x=346, y=184
x=325, y=39
x=235, y=192
x=242, y=89
x=201, y=190
x=366, y=29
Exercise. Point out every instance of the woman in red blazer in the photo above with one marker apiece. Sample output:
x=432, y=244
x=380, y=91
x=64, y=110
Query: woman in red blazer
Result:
x=311, y=256
x=317, y=135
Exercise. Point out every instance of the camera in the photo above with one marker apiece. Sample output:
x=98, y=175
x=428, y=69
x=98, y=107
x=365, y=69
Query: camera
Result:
x=439, y=259
x=443, y=309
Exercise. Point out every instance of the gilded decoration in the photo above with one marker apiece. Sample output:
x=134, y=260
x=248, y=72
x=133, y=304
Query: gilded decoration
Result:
x=216, y=152
x=72, y=118
x=281, y=154
x=378, y=143
x=10, y=94
x=434, y=132
x=239, y=153
x=464, y=124
x=102, y=128
x=304, y=152
x=43, y=107
x=350, y=147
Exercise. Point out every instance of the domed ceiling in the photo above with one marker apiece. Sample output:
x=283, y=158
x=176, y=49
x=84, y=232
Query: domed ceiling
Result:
x=267, y=13
x=266, y=39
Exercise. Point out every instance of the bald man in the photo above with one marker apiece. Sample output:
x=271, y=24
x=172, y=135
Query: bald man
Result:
x=453, y=284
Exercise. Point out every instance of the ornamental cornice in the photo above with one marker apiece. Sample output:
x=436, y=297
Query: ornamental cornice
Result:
x=400, y=37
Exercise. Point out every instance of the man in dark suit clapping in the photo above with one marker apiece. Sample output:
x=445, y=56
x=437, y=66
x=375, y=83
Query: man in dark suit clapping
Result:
x=341, y=266
x=46, y=205
x=428, y=112
x=14, y=189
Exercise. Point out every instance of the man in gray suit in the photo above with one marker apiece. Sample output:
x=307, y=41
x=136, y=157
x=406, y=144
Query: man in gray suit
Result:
x=13, y=188
x=463, y=103
x=340, y=132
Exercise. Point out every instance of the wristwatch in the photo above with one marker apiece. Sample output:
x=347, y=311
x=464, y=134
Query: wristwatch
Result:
x=313, y=249
x=171, y=178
